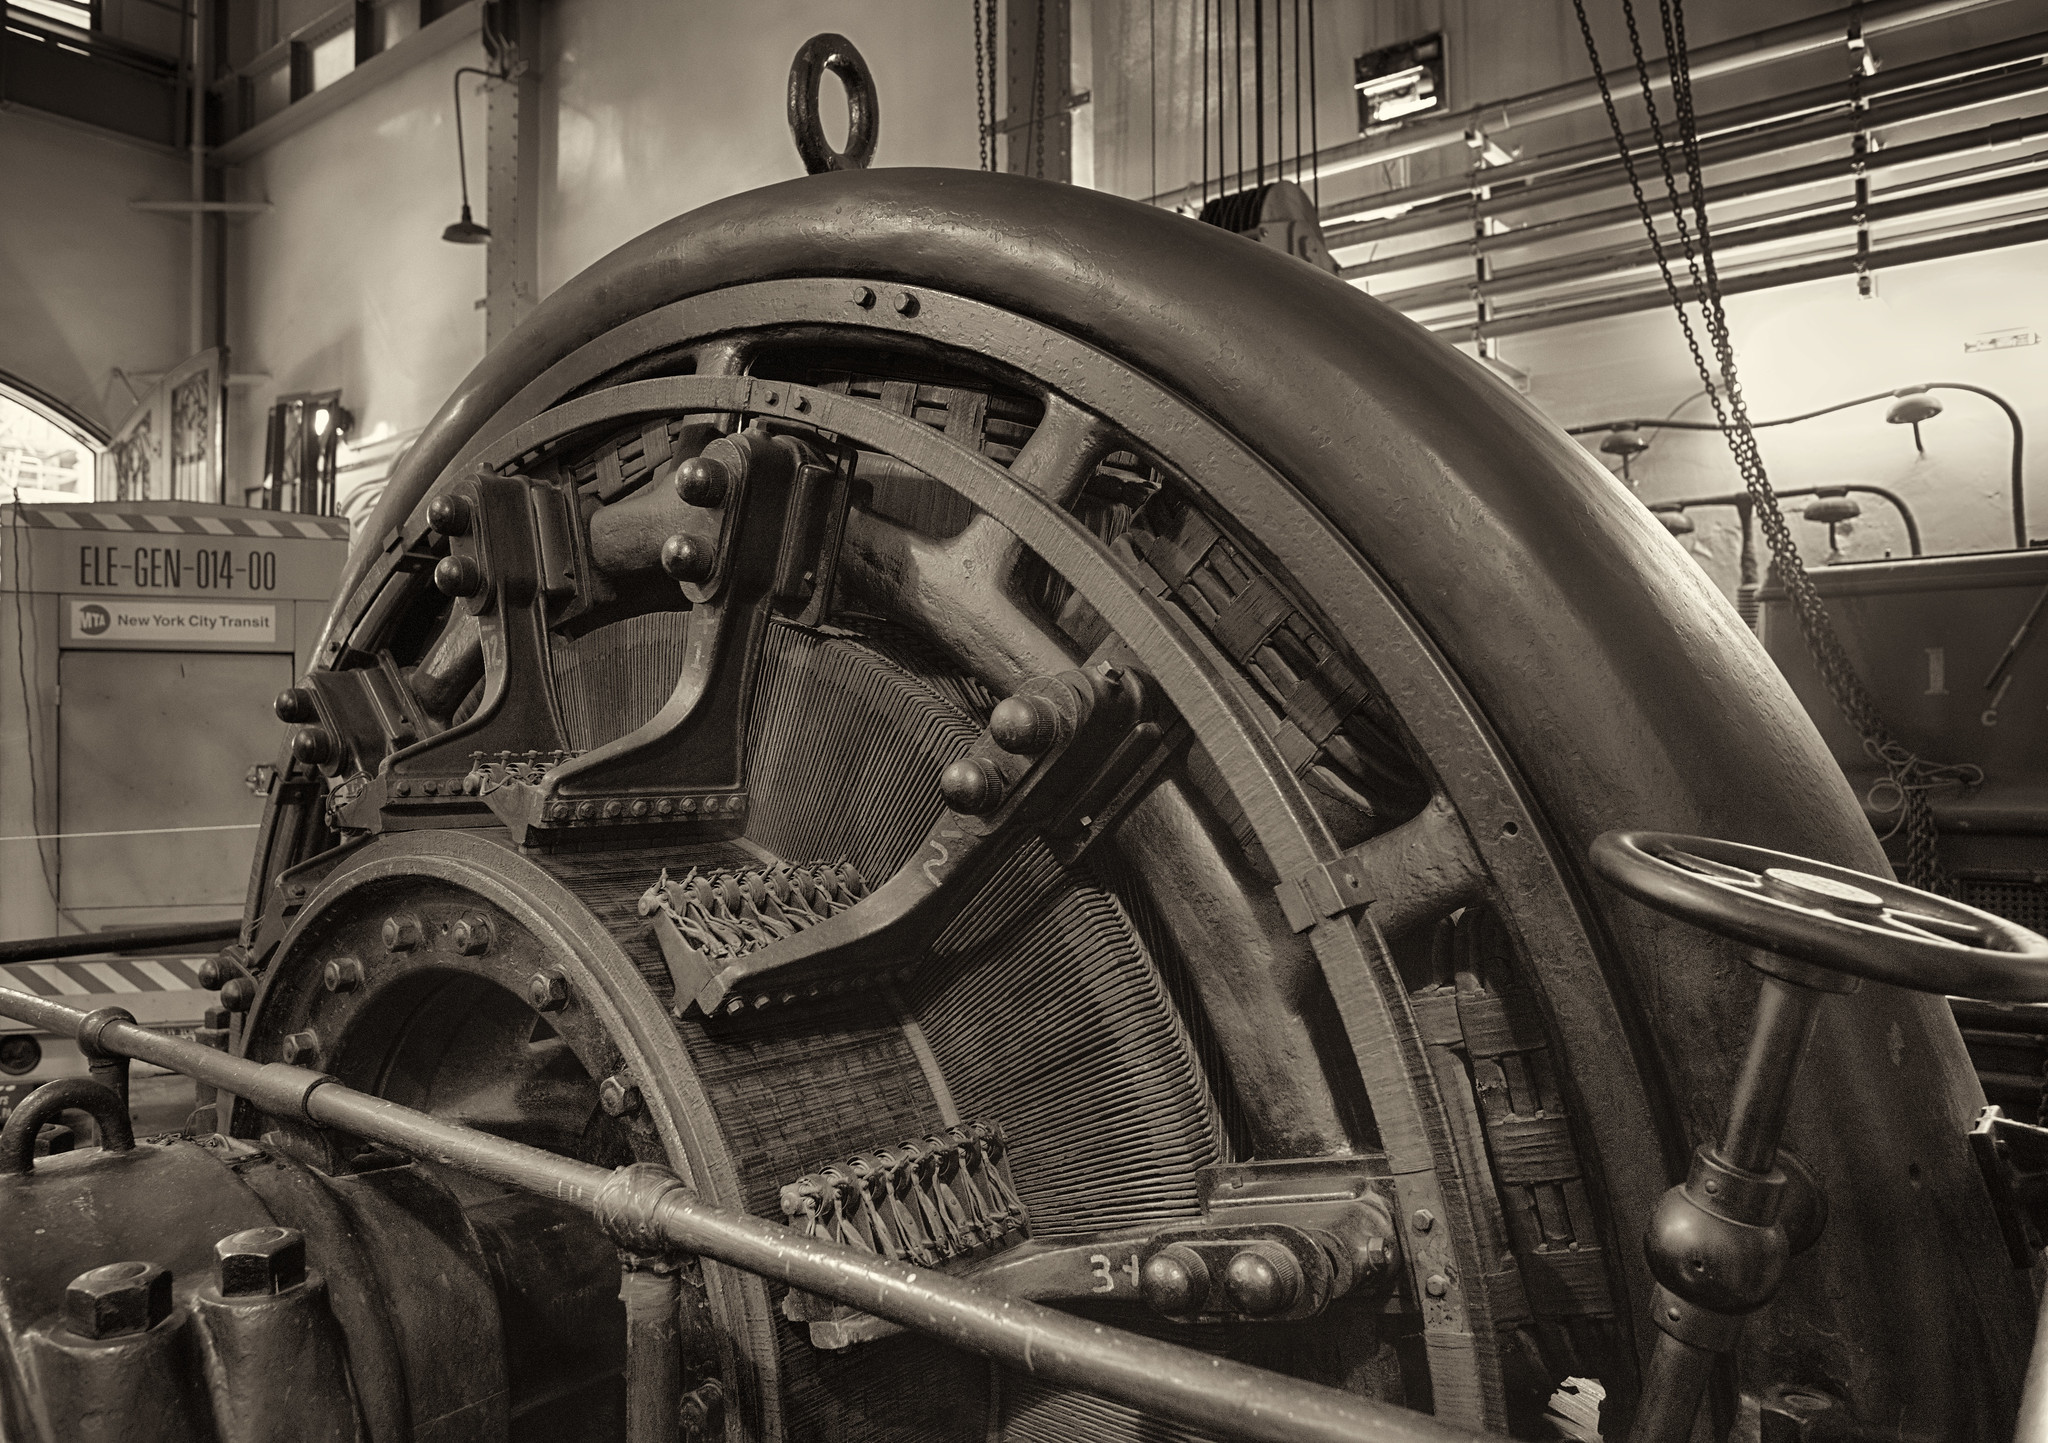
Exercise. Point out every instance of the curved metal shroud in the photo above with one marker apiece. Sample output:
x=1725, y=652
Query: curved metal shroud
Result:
x=1425, y=466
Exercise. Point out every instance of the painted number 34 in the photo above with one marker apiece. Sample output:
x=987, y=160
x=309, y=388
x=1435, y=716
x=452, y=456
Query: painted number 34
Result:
x=1105, y=1271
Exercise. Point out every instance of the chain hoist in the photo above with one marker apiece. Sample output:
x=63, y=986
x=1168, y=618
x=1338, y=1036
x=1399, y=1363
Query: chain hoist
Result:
x=1907, y=773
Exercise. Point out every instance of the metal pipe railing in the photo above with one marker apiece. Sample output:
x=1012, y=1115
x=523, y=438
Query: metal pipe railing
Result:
x=1912, y=92
x=119, y=939
x=648, y=1209
x=1970, y=241
x=1742, y=498
x=1765, y=230
x=1745, y=52
x=1755, y=187
x=2018, y=452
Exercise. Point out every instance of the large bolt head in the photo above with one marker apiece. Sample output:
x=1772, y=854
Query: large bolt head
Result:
x=472, y=935
x=458, y=576
x=313, y=746
x=972, y=785
x=1174, y=1281
x=1024, y=725
x=117, y=1299
x=548, y=991
x=260, y=1261
x=402, y=933
x=295, y=704
x=703, y=481
x=617, y=1096
x=449, y=515
x=343, y=974
x=1262, y=1279
x=687, y=559
x=301, y=1049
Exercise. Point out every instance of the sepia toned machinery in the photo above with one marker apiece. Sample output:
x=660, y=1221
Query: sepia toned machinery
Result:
x=939, y=806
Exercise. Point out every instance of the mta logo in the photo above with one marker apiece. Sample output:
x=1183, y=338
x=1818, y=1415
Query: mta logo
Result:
x=94, y=619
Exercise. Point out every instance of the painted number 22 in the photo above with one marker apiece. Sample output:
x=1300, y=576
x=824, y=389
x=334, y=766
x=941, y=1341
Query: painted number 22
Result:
x=1105, y=1271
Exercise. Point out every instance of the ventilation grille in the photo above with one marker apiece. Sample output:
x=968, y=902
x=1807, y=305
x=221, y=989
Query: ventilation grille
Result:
x=2023, y=902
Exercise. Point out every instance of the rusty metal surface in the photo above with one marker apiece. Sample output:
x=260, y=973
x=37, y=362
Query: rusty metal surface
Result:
x=1421, y=465
x=649, y=1209
x=1547, y=655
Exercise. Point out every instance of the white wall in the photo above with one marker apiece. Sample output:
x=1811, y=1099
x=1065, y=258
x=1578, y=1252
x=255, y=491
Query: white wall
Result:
x=649, y=109
x=86, y=283
x=652, y=108
x=346, y=281
x=1805, y=347
x=1797, y=348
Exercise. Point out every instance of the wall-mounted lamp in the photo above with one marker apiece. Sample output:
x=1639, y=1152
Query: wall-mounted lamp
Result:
x=1911, y=406
x=465, y=232
x=1830, y=507
x=1674, y=518
x=1626, y=442
x=328, y=416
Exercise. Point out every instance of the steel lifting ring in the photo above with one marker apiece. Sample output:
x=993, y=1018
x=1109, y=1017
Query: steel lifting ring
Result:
x=835, y=53
x=18, y=1138
x=1832, y=917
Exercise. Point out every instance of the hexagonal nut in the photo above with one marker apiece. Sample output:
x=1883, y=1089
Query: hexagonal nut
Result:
x=472, y=935
x=617, y=1096
x=260, y=1261
x=120, y=1298
x=548, y=991
x=343, y=974
x=301, y=1049
x=402, y=932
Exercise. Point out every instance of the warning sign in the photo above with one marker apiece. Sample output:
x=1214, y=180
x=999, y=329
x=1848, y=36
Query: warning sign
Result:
x=200, y=624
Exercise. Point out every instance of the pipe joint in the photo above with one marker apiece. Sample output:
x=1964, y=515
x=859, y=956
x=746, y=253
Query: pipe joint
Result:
x=628, y=1206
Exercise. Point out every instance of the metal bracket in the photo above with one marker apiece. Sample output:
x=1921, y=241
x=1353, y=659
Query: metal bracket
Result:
x=2013, y=1158
x=1326, y=890
x=1277, y=1242
x=1096, y=737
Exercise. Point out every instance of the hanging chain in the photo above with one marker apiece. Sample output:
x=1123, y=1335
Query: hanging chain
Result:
x=1038, y=94
x=1906, y=773
x=981, y=116
x=1859, y=147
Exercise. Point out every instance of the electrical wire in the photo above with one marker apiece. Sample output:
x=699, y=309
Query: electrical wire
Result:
x=1259, y=87
x=19, y=577
x=1297, y=91
x=1315, y=145
x=1203, y=60
x=1237, y=81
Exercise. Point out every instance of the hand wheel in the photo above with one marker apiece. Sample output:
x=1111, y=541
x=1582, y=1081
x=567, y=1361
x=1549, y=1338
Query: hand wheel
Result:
x=1829, y=916
x=1718, y=1243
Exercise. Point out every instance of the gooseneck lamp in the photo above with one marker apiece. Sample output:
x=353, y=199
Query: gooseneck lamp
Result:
x=1910, y=406
x=465, y=232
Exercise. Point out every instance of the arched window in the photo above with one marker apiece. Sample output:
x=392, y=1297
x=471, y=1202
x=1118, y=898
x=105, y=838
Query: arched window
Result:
x=46, y=454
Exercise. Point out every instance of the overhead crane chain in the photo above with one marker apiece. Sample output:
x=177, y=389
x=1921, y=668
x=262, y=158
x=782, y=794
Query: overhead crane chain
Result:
x=1909, y=773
